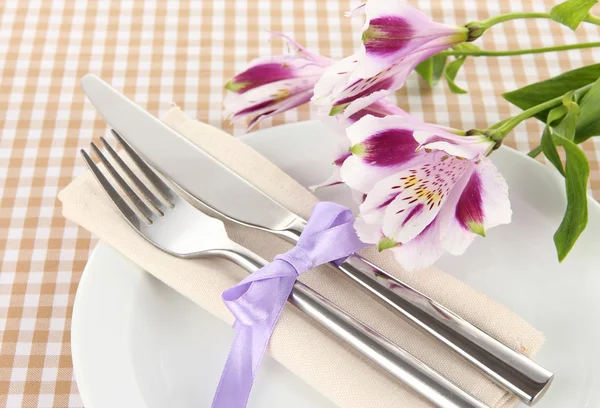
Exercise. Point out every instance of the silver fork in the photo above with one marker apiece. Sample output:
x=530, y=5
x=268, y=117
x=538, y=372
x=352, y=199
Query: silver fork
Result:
x=176, y=227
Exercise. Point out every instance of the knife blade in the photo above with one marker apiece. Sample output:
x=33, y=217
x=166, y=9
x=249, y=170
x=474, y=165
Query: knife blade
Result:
x=179, y=160
x=182, y=161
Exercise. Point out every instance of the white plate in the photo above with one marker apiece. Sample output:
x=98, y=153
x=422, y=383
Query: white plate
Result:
x=137, y=343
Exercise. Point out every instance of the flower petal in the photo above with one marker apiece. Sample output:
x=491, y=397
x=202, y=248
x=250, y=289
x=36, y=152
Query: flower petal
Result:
x=358, y=10
x=422, y=251
x=381, y=146
x=340, y=156
x=480, y=203
x=413, y=197
x=379, y=109
x=332, y=180
x=301, y=51
x=267, y=100
x=260, y=72
x=386, y=141
x=368, y=228
x=462, y=146
x=333, y=80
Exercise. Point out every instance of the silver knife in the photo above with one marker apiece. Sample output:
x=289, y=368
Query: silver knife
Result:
x=181, y=161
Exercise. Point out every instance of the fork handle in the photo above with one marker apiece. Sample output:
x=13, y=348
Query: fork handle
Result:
x=393, y=359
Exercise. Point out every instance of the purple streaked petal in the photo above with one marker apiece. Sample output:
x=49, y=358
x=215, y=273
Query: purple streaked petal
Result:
x=267, y=100
x=415, y=211
x=366, y=89
x=283, y=105
x=388, y=200
x=361, y=175
x=390, y=147
x=390, y=34
x=255, y=108
x=382, y=108
x=394, y=30
x=340, y=160
x=463, y=146
x=420, y=191
x=259, y=75
x=339, y=123
x=469, y=209
x=478, y=202
x=422, y=251
x=265, y=70
x=333, y=81
x=417, y=204
x=379, y=109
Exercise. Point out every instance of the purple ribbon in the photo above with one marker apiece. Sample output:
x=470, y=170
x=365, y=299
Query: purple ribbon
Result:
x=257, y=301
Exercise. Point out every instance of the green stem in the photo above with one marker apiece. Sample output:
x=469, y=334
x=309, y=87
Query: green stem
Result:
x=484, y=53
x=477, y=28
x=500, y=132
x=485, y=24
x=590, y=18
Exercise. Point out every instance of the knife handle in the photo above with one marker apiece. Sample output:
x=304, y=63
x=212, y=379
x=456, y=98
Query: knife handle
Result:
x=368, y=342
x=506, y=367
x=393, y=359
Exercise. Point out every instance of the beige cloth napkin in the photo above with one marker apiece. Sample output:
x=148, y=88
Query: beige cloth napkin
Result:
x=342, y=375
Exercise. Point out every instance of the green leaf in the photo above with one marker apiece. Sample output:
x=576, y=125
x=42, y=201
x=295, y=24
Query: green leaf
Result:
x=450, y=73
x=588, y=120
x=549, y=149
x=577, y=171
x=572, y=12
x=556, y=115
x=540, y=92
x=568, y=126
x=432, y=68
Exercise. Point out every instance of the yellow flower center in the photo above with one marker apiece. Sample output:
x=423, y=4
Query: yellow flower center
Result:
x=281, y=94
x=421, y=190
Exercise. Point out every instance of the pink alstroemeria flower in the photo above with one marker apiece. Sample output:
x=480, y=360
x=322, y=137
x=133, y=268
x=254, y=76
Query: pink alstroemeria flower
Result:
x=274, y=84
x=423, y=201
x=396, y=38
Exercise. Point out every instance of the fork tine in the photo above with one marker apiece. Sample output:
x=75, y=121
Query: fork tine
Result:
x=135, y=179
x=114, y=196
x=160, y=185
x=137, y=201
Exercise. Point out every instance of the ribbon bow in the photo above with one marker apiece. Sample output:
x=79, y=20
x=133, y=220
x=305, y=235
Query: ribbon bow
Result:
x=257, y=301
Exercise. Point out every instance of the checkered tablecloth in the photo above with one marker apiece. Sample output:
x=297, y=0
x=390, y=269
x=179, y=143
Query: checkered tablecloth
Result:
x=160, y=52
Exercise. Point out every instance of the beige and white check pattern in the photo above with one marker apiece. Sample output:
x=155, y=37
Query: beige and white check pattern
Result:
x=180, y=51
